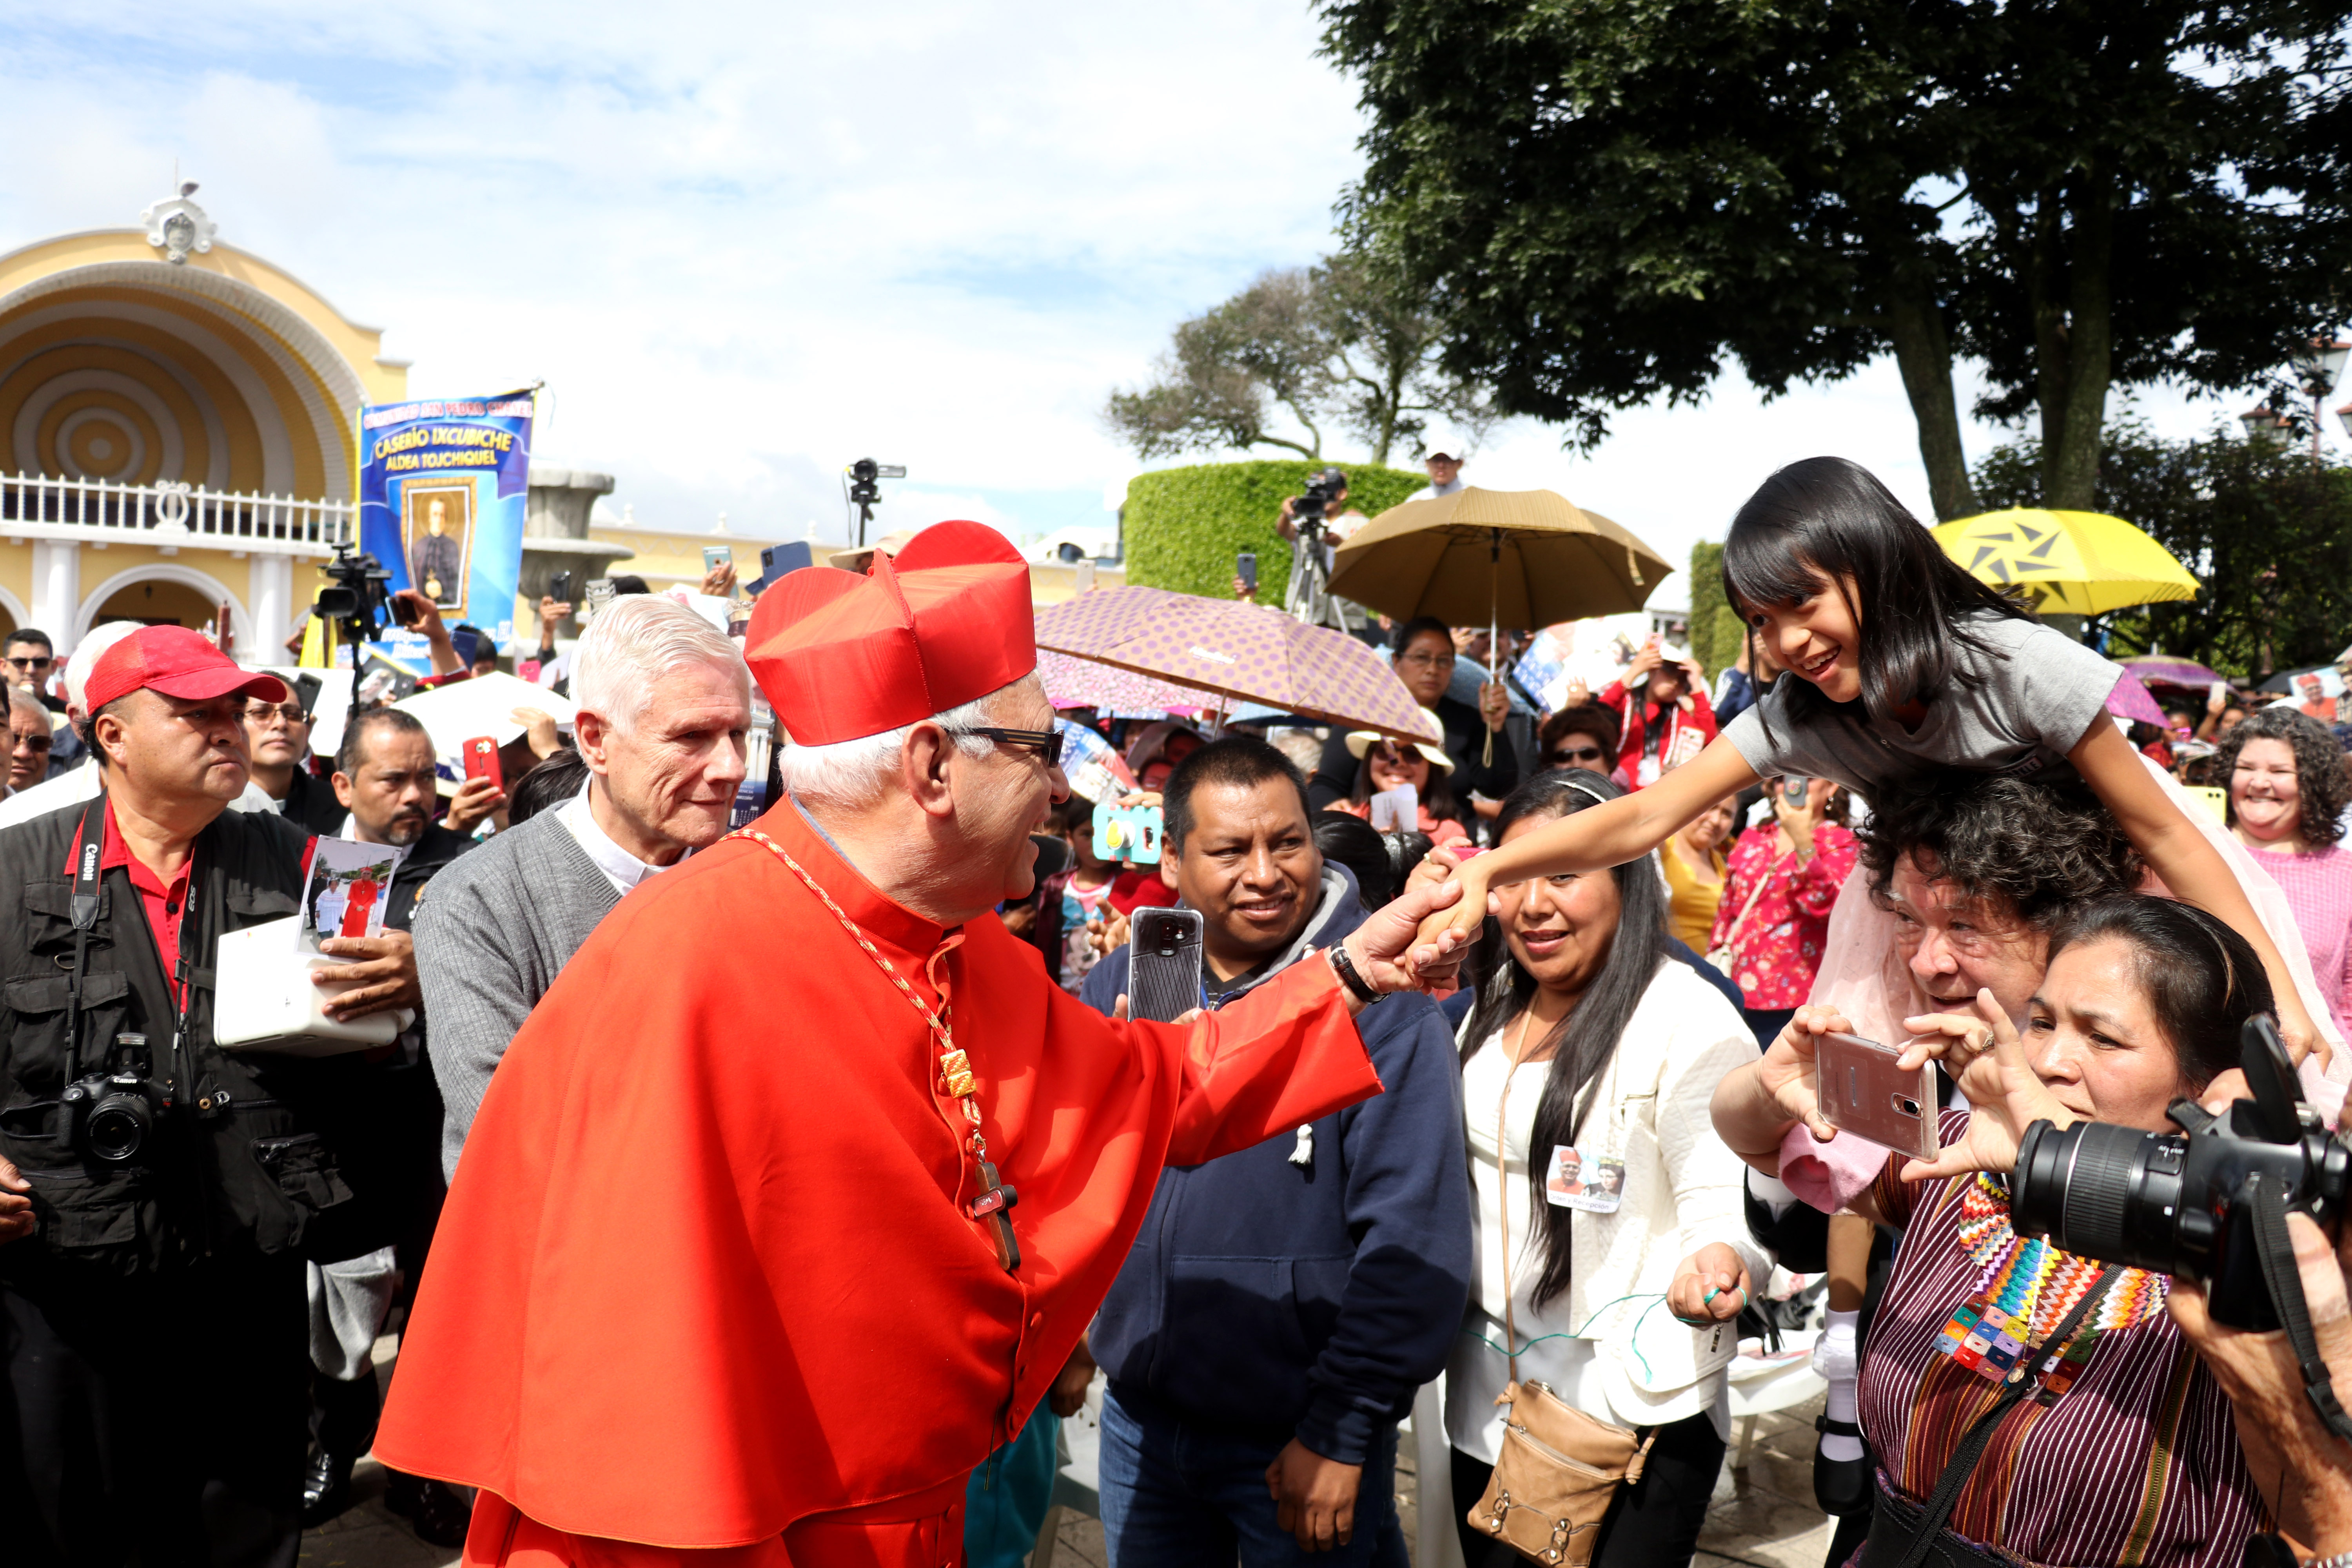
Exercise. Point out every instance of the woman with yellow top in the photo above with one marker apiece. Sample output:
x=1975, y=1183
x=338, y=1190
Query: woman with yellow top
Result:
x=1696, y=865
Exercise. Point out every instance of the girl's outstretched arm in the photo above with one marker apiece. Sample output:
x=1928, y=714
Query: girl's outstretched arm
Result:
x=1605, y=835
x=2179, y=853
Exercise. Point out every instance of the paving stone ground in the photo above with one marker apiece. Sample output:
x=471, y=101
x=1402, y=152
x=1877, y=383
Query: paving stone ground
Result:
x=1763, y=1515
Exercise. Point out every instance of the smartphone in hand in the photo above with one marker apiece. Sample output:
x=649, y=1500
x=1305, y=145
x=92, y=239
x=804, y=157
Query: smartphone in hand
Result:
x=1245, y=568
x=1163, y=972
x=1862, y=1091
x=482, y=761
x=714, y=556
x=559, y=587
x=1792, y=789
x=404, y=611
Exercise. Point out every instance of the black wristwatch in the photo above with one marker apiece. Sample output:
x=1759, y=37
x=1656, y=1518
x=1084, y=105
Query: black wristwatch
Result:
x=1364, y=990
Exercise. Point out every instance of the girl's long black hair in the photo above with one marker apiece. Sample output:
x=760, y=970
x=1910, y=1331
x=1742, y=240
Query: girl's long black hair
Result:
x=1585, y=1041
x=1827, y=517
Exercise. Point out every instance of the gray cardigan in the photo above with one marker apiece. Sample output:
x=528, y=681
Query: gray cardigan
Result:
x=492, y=934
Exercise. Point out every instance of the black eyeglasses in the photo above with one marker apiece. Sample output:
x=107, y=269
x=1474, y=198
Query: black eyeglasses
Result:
x=39, y=661
x=1568, y=754
x=1046, y=743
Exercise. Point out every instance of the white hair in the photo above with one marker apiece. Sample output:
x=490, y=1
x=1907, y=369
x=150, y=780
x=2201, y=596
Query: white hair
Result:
x=23, y=701
x=847, y=775
x=86, y=655
x=634, y=641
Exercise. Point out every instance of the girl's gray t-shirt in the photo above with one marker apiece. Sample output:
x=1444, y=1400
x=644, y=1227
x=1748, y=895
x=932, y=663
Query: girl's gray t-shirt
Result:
x=2025, y=704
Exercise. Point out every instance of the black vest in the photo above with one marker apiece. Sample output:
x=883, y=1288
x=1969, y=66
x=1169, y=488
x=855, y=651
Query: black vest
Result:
x=231, y=1166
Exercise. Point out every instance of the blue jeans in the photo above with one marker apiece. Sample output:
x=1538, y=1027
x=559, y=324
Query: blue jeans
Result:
x=1175, y=1495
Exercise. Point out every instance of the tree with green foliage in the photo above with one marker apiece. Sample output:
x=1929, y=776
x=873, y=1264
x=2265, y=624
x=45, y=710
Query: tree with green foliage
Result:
x=1184, y=526
x=1716, y=633
x=1333, y=344
x=2266, y=532
x=1607, y=201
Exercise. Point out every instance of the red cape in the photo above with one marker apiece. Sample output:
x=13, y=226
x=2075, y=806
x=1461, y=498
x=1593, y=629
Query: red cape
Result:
x=705, y=1270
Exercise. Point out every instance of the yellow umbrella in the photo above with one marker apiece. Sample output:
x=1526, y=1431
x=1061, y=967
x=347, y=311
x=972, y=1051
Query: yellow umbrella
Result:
x=2068, y=563
x=1523, y=558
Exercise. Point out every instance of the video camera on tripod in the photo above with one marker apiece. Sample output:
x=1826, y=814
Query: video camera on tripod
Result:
x=356, y=599
x=1310, y=510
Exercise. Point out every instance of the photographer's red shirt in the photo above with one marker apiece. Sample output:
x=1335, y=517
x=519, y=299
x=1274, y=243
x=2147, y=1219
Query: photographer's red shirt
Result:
x=166, y=905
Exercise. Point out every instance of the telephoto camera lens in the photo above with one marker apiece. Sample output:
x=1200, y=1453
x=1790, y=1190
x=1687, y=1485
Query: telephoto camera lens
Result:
x=2103, y=1191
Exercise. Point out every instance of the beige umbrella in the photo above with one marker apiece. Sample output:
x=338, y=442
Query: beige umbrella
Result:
x=1517, y=558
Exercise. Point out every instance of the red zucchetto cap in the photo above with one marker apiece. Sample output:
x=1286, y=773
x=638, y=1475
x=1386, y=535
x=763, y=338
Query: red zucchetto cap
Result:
x=842, y=657
x=177, y=662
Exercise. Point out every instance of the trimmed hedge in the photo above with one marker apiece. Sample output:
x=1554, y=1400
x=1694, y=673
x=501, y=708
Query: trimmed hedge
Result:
x=1184, y=526
x=1715, y=630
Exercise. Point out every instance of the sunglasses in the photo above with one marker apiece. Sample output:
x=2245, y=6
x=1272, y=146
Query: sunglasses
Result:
x=39, y=661
x=1570, y=754
x=1046, y=743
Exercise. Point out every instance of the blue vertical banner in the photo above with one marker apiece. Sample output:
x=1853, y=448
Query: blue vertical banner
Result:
x=442, y=488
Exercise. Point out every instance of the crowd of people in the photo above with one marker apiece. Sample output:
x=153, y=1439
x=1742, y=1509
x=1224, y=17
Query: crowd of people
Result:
x=770, y=1196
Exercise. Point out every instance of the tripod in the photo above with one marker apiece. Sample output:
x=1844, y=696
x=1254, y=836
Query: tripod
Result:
x=1309, y=595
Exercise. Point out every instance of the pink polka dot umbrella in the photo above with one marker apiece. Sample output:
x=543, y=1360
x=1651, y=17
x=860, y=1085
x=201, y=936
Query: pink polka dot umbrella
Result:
x=1239, y=652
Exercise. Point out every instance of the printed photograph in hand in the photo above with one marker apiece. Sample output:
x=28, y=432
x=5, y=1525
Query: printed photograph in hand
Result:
x=348, y=887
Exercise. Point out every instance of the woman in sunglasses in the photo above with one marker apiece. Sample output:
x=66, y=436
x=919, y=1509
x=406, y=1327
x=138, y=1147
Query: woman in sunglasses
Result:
x=1386, y=765
x=1582, y=736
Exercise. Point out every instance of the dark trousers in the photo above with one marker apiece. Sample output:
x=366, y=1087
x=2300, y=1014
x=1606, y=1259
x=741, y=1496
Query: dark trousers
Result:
x=1766, y=1024
x=1179, y=1495
x=159, y=1420
x=1654, y=1523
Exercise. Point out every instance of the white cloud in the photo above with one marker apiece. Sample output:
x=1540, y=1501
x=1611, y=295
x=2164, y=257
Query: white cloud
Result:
x=744, y=243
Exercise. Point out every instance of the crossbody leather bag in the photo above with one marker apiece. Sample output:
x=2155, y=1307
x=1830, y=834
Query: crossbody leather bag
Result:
x=1557, y=1469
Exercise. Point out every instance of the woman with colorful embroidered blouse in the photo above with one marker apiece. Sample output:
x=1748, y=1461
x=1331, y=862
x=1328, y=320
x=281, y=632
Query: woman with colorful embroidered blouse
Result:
x=2128, y=1452
x=1774, y=910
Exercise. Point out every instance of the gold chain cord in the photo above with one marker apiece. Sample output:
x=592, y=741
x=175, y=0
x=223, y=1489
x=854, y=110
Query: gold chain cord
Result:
x=954, y=1065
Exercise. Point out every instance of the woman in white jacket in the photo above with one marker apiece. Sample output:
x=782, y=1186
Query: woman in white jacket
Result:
x=1589, y=1062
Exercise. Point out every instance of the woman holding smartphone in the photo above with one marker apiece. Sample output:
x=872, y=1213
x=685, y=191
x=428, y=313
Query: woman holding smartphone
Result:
x=1774, y=910
x=2129, y=1451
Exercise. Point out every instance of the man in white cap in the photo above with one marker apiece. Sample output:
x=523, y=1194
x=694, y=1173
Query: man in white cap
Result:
x=1444, y=465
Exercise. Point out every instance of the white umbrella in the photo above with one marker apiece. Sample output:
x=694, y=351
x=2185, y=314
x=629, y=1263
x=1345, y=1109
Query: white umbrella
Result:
x=485, y=705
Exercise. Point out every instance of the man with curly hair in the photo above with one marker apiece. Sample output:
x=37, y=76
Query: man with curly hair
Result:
x=2284, y=772
x=1975, y=871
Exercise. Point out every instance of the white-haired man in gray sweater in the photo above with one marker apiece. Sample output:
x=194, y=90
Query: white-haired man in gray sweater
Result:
x=664, y=702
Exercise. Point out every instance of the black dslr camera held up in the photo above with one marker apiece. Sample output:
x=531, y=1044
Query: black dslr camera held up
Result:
x=110, y=1114
x=2188, y=1205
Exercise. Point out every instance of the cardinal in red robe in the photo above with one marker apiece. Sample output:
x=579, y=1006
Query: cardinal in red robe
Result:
x=802, y=1183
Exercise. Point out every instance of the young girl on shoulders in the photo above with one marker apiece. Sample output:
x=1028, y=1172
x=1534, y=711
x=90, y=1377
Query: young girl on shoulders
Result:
x=1896, y=661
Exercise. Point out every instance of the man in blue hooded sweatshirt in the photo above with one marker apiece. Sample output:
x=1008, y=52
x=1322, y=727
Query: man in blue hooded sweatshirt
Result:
x=1281, y=1304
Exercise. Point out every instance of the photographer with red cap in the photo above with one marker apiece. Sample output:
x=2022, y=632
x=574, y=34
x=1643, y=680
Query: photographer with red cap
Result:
x=154, y=1189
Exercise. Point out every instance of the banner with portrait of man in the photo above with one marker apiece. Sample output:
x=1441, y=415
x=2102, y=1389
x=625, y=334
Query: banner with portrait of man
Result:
x=442, y=488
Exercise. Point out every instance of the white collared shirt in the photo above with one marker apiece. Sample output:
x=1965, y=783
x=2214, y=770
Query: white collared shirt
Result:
x=624, y=870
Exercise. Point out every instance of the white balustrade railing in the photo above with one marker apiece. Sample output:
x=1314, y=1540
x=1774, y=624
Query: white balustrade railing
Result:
x=172, y=512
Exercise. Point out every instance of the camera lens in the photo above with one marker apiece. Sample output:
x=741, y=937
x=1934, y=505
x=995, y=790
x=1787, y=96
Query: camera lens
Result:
x=117, y=1129
x=2102, y=1191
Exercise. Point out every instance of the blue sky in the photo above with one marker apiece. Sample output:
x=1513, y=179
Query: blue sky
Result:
x=745, y=244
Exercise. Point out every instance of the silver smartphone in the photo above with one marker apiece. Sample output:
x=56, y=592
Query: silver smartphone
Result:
x=1164, y=970
x=1861, y=1090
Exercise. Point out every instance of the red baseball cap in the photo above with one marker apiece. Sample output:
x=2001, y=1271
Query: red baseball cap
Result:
x=177, y=662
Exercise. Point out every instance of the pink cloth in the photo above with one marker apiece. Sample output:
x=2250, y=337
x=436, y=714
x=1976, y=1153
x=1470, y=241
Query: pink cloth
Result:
x=2318, y=889
x=1778, y=945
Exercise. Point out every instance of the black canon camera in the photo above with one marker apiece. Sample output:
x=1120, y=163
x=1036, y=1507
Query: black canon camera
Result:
x=357, y=596
x=110, y=1114
x=1323, y=487
x=2182, y=1204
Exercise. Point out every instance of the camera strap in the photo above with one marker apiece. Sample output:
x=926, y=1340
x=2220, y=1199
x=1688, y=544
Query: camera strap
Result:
x=90, y=848
x=2021, y=1383
x=2266, y=1197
